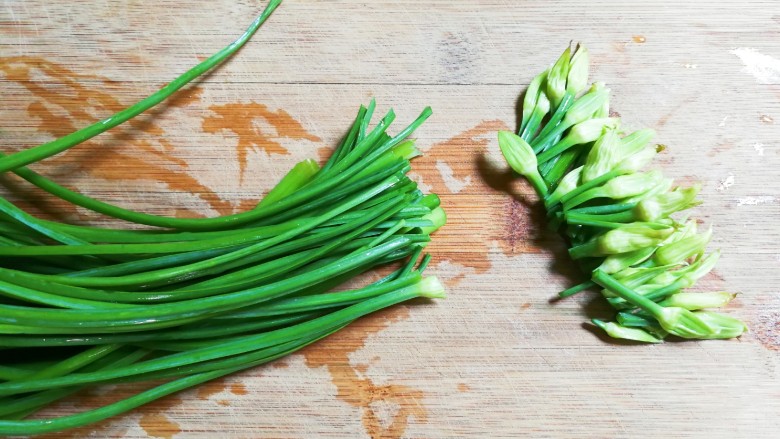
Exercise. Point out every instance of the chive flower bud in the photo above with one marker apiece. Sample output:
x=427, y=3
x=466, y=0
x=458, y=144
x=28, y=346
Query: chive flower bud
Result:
x=620, y=187
x=635, y=141
x=531, y=99
x=603, y=156
x=696, y=301
x=661, y=187
x=676, y=320
x=556, y=79
x=663, y=205
x=521, y=159
x=637, y=161
x=615, y=330
x=682, y=249
x=584, y=132
x=584, y=107
x=698, y=324
x=628, y=238
x=603, y=111
x=567, y=184
x=577, y=79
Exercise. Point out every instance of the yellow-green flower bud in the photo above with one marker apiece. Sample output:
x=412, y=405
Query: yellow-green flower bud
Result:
x=696, y=301
x=568, y=183
x=663, y=185
x=585, y=106
x=617, y=331
x=621, y=187
x=532, y=95
x=680, y=250
x=521, y=158
x=556, y=79
x=603, y=111
x=699, y=324
x=636, y=161
x=603, y=156
x=663, y=205
x=631, y=237
x=628, y=238
x=577, y=79
x=584, y=132
x=637, y=140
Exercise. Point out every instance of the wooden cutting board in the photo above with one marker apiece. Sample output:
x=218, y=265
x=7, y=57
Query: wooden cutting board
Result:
x=498, y=358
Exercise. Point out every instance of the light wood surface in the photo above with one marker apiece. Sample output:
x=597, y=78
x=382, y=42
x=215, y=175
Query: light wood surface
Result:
x=497, y=358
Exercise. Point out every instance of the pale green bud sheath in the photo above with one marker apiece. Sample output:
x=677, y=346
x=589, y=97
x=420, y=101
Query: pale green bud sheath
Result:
x=663, y=205
x=556, y=80
x=560, y=99
x=675, y=320
x=603, y=156
x=521, y=159
x=679, y=251
x=697, y=301
x=581, y=110
x=637, y=140
x=664, y=185
x=530, y=101
x=629, y=238
x=634, y=320
x=624, y=186
x=618, y=331
x=615, y=263
x=628, y=165
x=670, y=283
x=541, y=110
x=603, y=111
x=577, y=79
x=584, y=132
x=567, y=184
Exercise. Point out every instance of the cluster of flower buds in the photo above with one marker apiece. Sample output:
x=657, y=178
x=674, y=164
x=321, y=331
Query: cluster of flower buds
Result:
x=619, y=220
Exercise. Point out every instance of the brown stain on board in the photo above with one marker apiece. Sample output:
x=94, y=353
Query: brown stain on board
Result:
x=238, y=388
x=463, y=387
x=766, y=329
x=639, y=39
x=154, y=421
x=242, y=120
x=359, y=391
x=483, y=211
x=211, y=388
x=67, y=100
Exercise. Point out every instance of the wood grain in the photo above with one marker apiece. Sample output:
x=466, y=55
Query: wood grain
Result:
x=498, y=358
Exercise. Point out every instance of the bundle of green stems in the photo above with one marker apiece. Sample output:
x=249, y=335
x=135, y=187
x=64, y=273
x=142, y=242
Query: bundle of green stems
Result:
x=181, y=301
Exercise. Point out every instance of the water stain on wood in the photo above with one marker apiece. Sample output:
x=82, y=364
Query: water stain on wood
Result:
x=244, y=121
x=238, y=388
x=471, y=231
x=211, y=388
x=766, y=329
x=155, y=422
x=360, y=392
